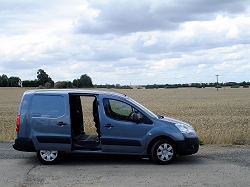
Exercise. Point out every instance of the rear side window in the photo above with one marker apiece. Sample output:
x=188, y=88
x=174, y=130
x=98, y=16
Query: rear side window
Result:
x=50, y=106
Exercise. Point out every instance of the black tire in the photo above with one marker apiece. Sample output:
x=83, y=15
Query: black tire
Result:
x=163, y=152
x=48, y=157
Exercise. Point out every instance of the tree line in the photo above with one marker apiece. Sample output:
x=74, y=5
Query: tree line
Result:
x=6, y=81
x=199, y=85
x=45, y=81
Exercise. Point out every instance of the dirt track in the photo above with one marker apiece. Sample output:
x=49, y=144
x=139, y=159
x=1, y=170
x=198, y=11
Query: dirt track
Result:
x=213, y=165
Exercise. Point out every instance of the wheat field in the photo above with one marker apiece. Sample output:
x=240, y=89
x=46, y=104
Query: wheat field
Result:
x=219, y=117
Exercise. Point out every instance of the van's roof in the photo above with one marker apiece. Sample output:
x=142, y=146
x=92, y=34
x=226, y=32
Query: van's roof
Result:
x=75, y=91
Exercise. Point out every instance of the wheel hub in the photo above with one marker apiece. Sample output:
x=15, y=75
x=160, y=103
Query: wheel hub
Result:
x=48, y=155
x=165, y=152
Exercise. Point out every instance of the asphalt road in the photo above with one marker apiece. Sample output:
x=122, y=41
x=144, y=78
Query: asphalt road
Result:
x=213, y=165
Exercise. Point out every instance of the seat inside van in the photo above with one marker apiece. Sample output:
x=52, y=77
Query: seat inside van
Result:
x=85, y=127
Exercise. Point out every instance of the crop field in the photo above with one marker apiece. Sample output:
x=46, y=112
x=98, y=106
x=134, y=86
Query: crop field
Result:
x=219, y=117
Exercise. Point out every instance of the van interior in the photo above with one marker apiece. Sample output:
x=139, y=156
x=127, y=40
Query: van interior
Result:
x=85, y=126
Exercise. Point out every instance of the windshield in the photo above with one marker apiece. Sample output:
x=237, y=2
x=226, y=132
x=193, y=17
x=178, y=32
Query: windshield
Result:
x=142, y=107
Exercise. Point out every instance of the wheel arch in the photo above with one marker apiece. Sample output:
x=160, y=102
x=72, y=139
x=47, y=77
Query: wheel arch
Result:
x=154, y=140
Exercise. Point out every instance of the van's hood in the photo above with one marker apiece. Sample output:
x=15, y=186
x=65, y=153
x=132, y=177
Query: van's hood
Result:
x=171, y=120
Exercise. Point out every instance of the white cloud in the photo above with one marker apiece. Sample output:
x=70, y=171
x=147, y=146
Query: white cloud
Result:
x=143, y=42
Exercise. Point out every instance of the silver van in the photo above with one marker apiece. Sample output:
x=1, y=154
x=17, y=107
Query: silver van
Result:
x=53, y=122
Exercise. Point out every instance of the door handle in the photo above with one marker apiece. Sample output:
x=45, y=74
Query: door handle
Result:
x=61, y=123
x=108, y=126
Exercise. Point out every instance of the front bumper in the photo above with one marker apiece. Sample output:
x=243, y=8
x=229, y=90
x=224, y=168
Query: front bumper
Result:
x=188, y=146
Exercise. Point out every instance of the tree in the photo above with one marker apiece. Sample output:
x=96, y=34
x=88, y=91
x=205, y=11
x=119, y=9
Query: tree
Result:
x=84, y=82
x=30, y=83
x=13, y=81
x=43, y=77
x=1, y=83
x=118, y=86
x=4, y=80
x=64, y=84
x=47, y=85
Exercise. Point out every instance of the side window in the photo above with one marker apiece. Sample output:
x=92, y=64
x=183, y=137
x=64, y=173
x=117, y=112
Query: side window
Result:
x=50, y=106
x=119, y=110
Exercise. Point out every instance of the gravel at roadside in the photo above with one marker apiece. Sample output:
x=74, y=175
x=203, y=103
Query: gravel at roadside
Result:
x=234, y=154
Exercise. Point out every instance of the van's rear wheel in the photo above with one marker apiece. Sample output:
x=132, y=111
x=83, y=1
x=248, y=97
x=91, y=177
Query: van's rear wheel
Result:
x=163, y=152
x=48, y=157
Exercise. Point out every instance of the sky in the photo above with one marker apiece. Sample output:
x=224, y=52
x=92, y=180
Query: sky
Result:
x=126, y=41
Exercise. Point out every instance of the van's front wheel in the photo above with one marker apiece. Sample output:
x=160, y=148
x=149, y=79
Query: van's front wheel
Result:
x=48, y=157
x=163, y=152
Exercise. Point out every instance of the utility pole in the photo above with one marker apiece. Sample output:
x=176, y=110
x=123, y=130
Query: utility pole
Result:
x=217, y=81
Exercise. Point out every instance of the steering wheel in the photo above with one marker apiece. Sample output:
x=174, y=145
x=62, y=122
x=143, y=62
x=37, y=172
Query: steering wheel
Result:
x=130, y=115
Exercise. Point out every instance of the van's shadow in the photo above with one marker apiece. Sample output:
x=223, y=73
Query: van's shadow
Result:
x=79, y=159
x=72, y=159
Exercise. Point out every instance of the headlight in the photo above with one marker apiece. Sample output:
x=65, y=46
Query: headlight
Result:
x=186, y=129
